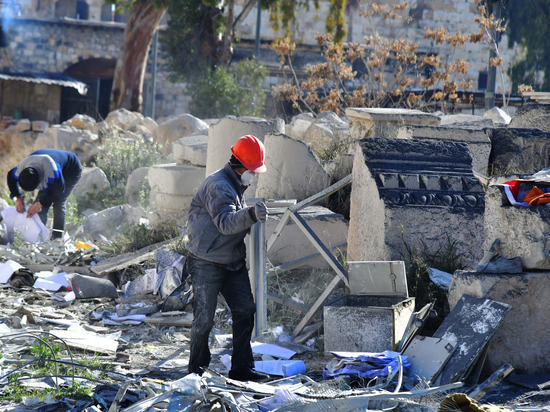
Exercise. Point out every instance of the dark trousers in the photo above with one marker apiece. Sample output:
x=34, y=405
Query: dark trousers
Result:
x=208, y=280
x=60, y=205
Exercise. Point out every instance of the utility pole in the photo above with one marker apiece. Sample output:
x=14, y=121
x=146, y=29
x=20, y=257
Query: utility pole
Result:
x=492, y=71
x=258, y=26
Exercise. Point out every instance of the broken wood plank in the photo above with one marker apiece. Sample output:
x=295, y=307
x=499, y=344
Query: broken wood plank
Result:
x=287, y=302
x=308, y=332
x=491, y=382
x=317, y=305
x=321, y=195
x=82, y=270
x=120, y=262
x=186, y=320
x=94, y=343
x=314, y=239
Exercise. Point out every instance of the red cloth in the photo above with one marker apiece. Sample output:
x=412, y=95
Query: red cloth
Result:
x=536, y=197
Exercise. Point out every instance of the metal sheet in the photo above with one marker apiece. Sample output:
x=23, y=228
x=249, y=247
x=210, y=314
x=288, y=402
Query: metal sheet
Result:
x=428, y=356
x=47, y=78
x=378, y=278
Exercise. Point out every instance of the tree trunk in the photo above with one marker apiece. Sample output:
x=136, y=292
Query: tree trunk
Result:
x=229, y=33
x=132, y=59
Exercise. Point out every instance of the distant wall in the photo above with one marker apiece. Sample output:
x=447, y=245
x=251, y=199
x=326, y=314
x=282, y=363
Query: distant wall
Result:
x=33, y=100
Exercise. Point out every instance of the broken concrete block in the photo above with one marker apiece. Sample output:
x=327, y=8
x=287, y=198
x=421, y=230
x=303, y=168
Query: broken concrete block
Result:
x=498, y=116
x=293, y=170
x=173, y=179
x=23, y=125
x=137, y=186
x=108, y=221
x=465, y=120
x=170, y=203
x=532, y=115
x=81, y=121
x=409, y=190
x=298, y=125
x=192, y=149
x=523, y=231
x=366, y=122
x=175, y=128
x=325, y=131
x=83, y=143
x=522, y=338
x=122, y=118
x=39, y=126
x=475, y=137
x=519, y=150
x=227, y=131
x=93, y=180
x=293, y=244
x=145, y=122
x=87, y=287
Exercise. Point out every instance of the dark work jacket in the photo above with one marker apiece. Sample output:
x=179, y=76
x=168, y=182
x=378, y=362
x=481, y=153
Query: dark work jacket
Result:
x=219, y=219
x=70, y=169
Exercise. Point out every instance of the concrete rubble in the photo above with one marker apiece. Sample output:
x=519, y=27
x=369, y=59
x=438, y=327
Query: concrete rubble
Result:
x=412, y=188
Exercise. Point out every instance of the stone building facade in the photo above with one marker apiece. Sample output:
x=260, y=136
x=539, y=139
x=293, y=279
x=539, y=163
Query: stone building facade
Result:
x=81, y=38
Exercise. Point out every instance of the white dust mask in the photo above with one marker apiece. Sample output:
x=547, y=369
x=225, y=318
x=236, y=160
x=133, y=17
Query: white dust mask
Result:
x=248, y=177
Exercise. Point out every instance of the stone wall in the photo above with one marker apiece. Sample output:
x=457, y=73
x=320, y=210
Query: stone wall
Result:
x=33, y=100
x=453, y=15
x=52, y=46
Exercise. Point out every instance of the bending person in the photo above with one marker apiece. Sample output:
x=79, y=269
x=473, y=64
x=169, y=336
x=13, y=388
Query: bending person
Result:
x=54, y=173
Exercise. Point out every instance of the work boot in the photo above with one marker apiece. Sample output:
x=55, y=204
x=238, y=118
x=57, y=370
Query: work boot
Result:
x=247, y=374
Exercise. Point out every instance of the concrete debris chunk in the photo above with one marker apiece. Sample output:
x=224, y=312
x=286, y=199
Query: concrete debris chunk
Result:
x=532, y=115
x=498, y=116
x=175, y=128
x=81, y=121
x=93, y=180
x=192, y=149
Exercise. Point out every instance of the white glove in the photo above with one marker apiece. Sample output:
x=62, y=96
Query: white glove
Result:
x=260, y=210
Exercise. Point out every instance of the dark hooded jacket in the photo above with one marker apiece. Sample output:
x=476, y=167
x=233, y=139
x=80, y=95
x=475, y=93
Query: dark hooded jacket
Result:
x=219, y=219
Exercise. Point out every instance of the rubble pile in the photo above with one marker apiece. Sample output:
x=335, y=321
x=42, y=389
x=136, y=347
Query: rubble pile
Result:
x=86, y=329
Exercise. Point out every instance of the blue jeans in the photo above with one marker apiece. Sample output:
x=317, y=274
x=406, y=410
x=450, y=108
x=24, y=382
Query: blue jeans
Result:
x=208, y=280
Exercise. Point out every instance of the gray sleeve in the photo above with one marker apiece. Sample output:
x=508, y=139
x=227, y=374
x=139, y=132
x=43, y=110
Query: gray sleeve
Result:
x=220, y=203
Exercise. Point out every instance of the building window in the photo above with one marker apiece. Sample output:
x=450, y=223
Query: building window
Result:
x=122, y=17
x=82, y=10
x=65, y=8
x=107, y=12
x=482, y=81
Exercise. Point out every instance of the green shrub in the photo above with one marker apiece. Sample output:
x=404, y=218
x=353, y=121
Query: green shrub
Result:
x=120, y=157
x=236, y=91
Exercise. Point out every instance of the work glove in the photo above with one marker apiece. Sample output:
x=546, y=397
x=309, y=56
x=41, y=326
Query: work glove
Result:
x=260, y=211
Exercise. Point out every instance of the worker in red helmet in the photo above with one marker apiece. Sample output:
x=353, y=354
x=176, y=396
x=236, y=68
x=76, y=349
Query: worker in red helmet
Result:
x=219, y=220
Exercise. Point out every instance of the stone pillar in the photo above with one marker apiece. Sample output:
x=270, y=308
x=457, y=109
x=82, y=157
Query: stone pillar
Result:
x=522, y=338
x=368, y=122
x=293, y=170
x=172, y=188
x=407, y=191
x=228, y=130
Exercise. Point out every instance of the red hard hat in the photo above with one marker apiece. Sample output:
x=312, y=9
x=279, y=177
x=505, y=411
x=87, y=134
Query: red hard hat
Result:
x=251, y=153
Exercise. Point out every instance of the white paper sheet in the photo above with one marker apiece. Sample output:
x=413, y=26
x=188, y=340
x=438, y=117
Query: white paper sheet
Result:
x=272, y=350
x=7, y=269
x=52, y=282
x=32, y=229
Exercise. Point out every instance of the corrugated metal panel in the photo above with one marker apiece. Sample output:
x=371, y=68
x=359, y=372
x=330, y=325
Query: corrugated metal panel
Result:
x=55, y=79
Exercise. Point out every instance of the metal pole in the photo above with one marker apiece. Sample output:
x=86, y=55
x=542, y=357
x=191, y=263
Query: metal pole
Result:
x=258, y=26
x=258, y=271
x=492, y=71
x=154, y=72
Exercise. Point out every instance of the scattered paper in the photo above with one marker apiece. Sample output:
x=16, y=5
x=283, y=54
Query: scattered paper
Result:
x=31, y=229
x=7, y=269
x=50, y=281
x=272, y=350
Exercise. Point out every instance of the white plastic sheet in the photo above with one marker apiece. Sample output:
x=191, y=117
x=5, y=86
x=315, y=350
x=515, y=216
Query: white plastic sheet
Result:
x=32, y=229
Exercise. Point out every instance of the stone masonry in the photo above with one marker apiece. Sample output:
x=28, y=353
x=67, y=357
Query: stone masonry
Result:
x=414, y=192
x=52, y=46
